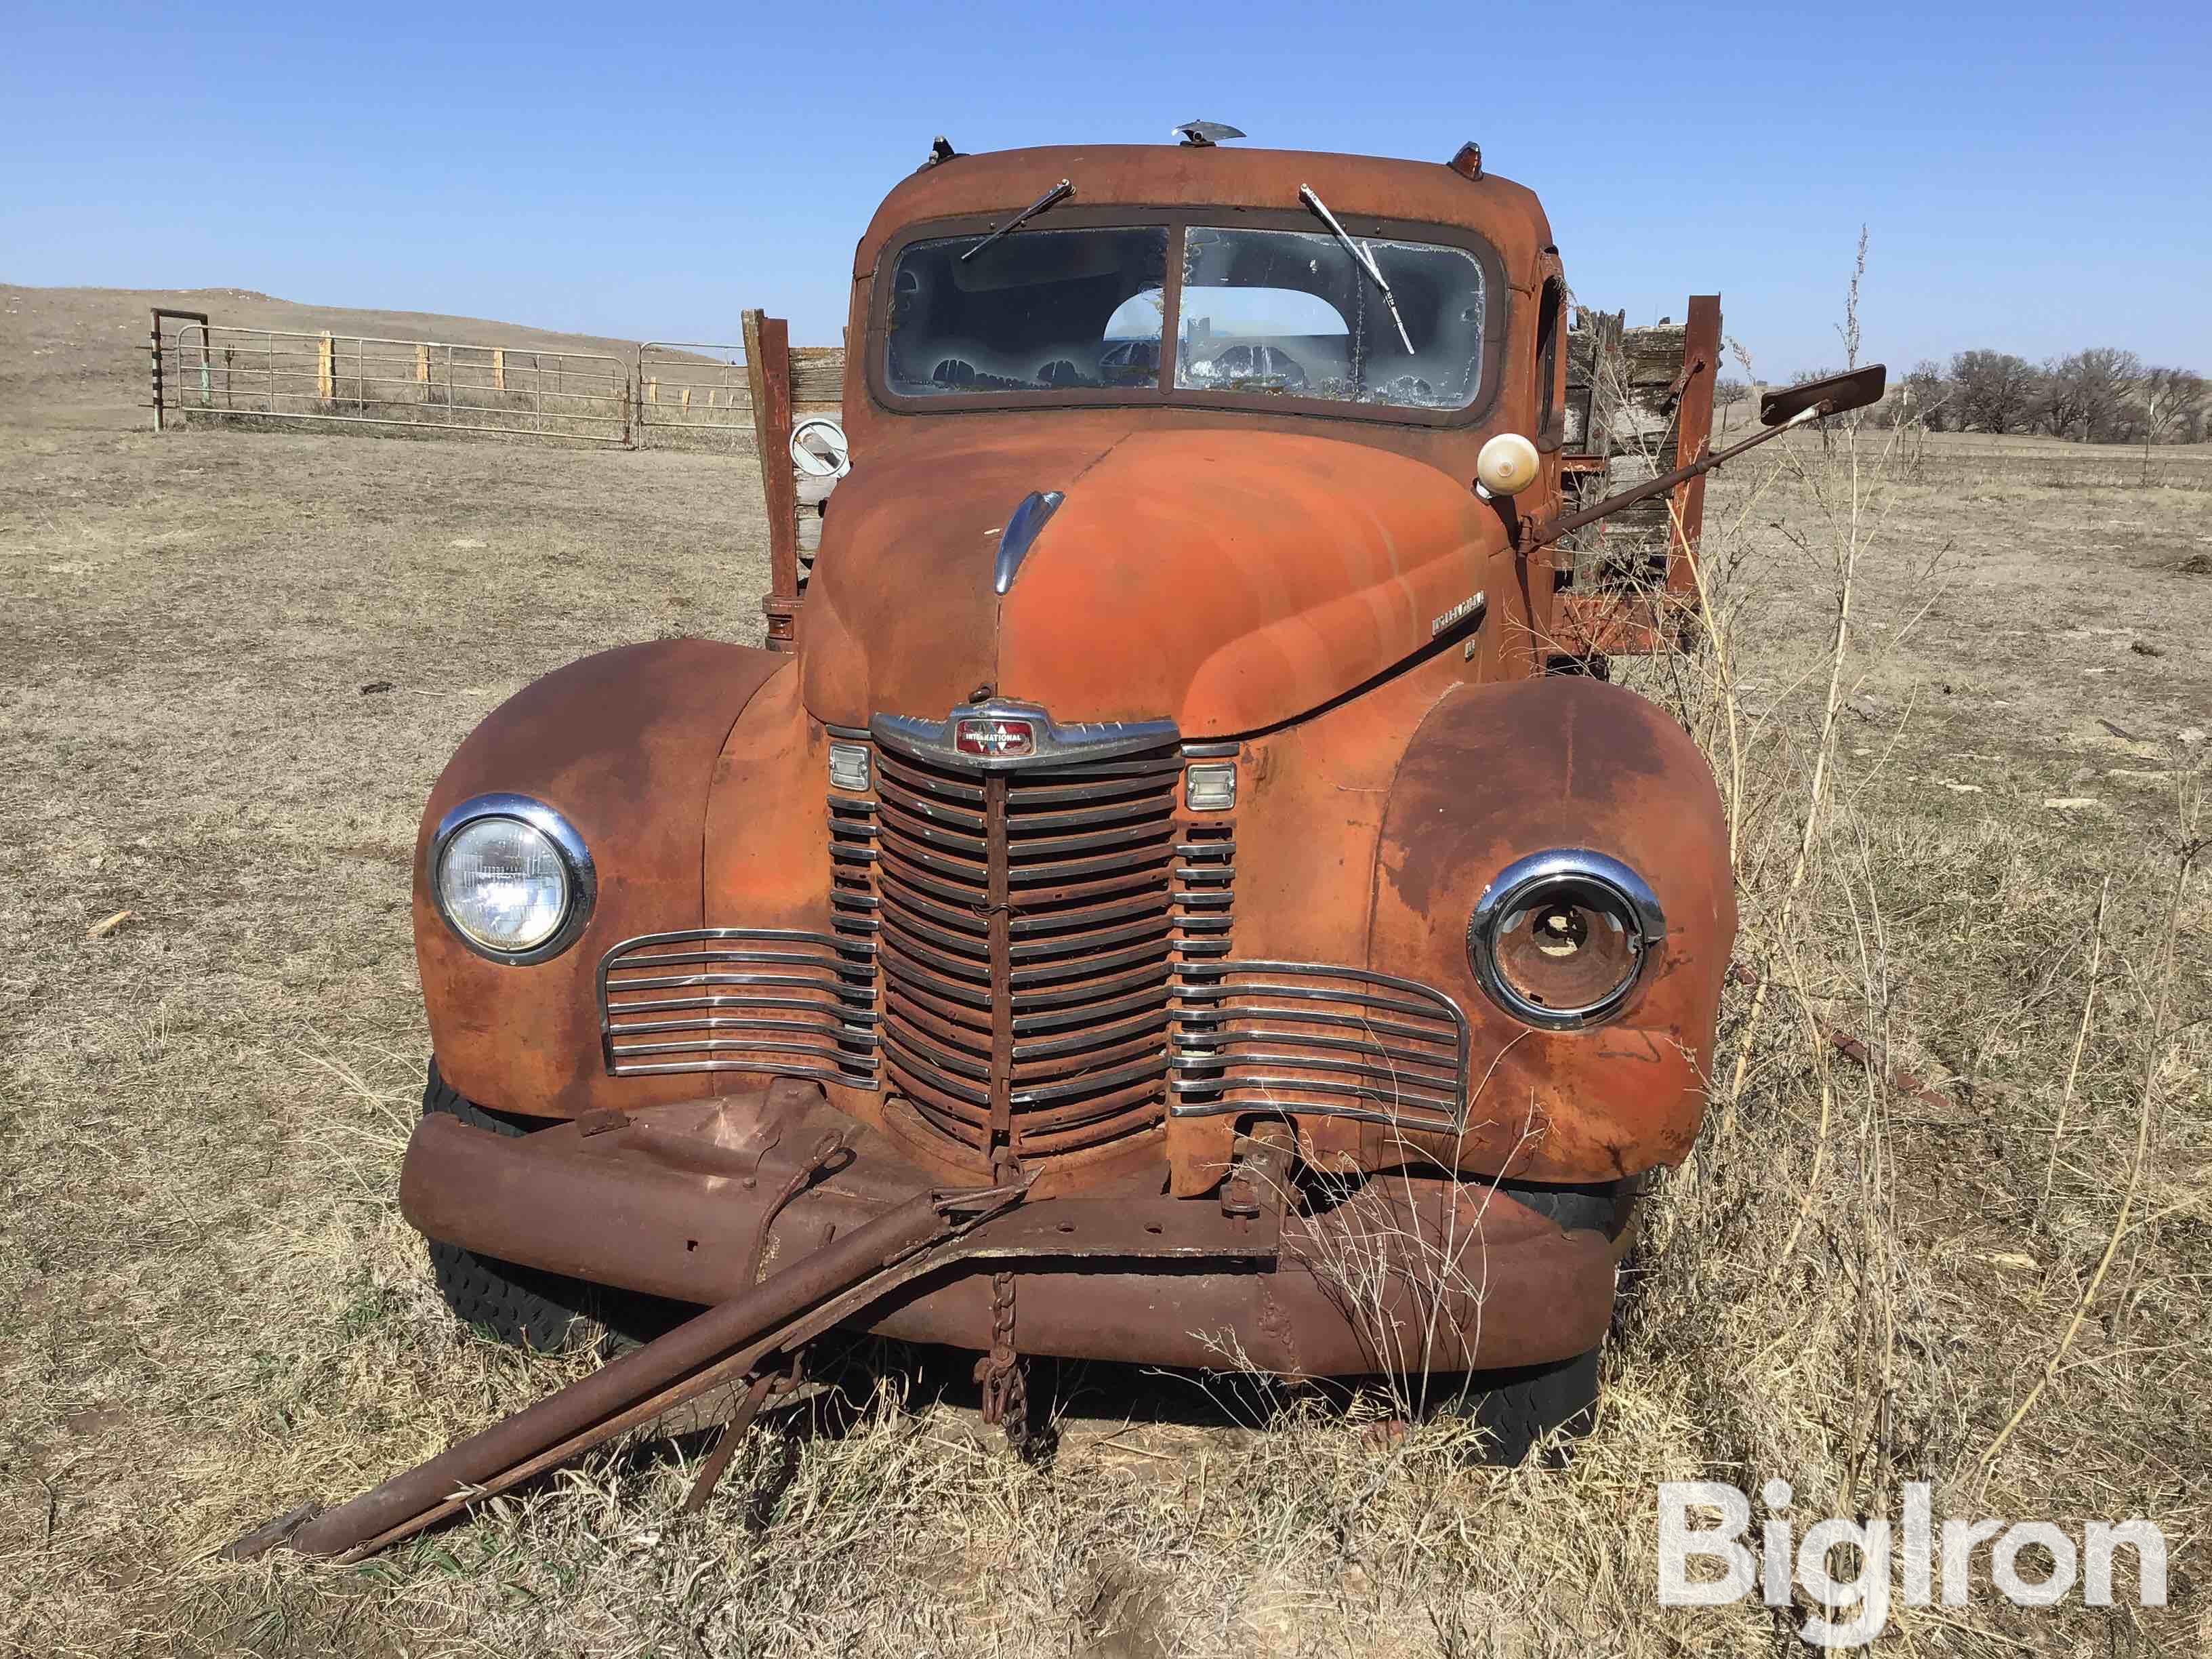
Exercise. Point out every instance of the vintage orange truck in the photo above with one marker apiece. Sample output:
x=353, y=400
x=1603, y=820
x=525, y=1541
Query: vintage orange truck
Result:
x=1182, y=897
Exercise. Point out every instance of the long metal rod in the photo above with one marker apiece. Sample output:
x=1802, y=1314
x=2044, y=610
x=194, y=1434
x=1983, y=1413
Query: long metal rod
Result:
x=733, y=1433
x=869, y=1288
x=1552, y=529
x=687, y=1360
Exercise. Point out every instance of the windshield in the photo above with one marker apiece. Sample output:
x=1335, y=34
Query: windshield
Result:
x=1038, y=311
x=1272, y=313
x=1293, y=313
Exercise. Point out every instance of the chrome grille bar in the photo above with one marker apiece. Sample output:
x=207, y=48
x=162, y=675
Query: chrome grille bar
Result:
x=1327, y=1041
x=1039, y=1019
x=770, y=1000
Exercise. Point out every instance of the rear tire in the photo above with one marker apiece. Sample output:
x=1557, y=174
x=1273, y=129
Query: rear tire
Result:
x=520, y=1306
x=1524, y=1406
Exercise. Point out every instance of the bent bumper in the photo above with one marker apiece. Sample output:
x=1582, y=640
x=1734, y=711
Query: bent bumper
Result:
x=1405, y=1275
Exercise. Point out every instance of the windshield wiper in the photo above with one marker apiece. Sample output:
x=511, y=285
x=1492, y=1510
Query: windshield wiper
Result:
x=1063, y=188
x=1360, y=255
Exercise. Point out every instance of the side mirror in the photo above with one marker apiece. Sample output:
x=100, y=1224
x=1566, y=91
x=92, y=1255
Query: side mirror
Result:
x=1837, y=394
x=819, y=449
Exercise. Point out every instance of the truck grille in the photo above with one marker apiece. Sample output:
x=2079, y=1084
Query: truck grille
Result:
x=1028, y=925
x=1322, y=1041
x=738, y=1000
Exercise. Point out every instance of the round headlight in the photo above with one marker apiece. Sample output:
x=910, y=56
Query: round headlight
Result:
x=511, y=878
x=1560, y=939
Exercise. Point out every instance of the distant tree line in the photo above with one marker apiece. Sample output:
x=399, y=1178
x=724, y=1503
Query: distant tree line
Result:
x=2099, y=395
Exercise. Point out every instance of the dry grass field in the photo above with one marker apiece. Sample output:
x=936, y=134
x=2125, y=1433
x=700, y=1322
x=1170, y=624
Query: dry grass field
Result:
x=1965, y=834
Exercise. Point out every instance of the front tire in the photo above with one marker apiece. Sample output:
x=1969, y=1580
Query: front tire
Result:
x=520, y=1306
x=1524, y=1406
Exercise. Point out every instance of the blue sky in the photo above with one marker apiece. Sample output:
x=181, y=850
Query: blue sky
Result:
x=2033, y=177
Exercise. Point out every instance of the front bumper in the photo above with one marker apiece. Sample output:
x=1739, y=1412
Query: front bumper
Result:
x=1405, y=1274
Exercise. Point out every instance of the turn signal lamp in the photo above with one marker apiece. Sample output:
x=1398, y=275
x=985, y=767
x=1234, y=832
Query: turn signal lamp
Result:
x=1210, y=786
x=849, y=766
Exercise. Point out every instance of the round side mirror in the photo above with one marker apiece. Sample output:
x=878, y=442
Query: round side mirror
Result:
x=818, y=448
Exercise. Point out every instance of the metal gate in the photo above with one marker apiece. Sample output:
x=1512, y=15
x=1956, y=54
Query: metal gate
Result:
x=694, y=390
x=217, y=371
x=169, y=360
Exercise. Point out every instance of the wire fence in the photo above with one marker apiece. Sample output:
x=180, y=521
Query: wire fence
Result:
x=218, y=372
x=667, y=392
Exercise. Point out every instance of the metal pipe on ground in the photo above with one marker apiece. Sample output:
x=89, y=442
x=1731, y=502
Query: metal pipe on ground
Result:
x=1423, y=1276
x=603, y=1404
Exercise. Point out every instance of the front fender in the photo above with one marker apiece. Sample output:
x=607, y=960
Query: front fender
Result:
x=1497, y=771
x=624, y=745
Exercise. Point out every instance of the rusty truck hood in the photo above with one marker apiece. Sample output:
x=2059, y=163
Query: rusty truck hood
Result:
x=1224, y=575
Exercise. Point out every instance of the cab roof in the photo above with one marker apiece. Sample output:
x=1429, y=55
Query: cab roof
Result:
x=1505, y=213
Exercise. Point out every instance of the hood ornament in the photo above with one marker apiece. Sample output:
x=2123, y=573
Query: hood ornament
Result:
x=1037, y=507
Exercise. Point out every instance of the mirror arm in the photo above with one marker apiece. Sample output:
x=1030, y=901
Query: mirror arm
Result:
x=1552, y=530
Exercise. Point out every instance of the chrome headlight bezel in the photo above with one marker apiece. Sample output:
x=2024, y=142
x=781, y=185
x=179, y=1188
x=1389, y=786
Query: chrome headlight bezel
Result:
x=1564, y=871
x=583, y=882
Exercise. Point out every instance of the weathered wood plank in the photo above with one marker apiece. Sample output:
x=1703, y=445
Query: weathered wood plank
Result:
x=1629, y=406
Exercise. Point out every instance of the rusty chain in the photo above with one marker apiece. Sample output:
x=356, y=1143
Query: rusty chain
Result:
x=1001, y=1372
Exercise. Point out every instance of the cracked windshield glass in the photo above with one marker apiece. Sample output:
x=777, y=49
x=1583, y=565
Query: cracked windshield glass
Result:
x=1036, y=310
x=1292, y=313
x=1277, y=313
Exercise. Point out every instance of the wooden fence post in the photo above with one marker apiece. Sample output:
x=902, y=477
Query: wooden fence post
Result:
x=498, y=370
x=423, y=365
x=768, y=374
x=327, y=368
